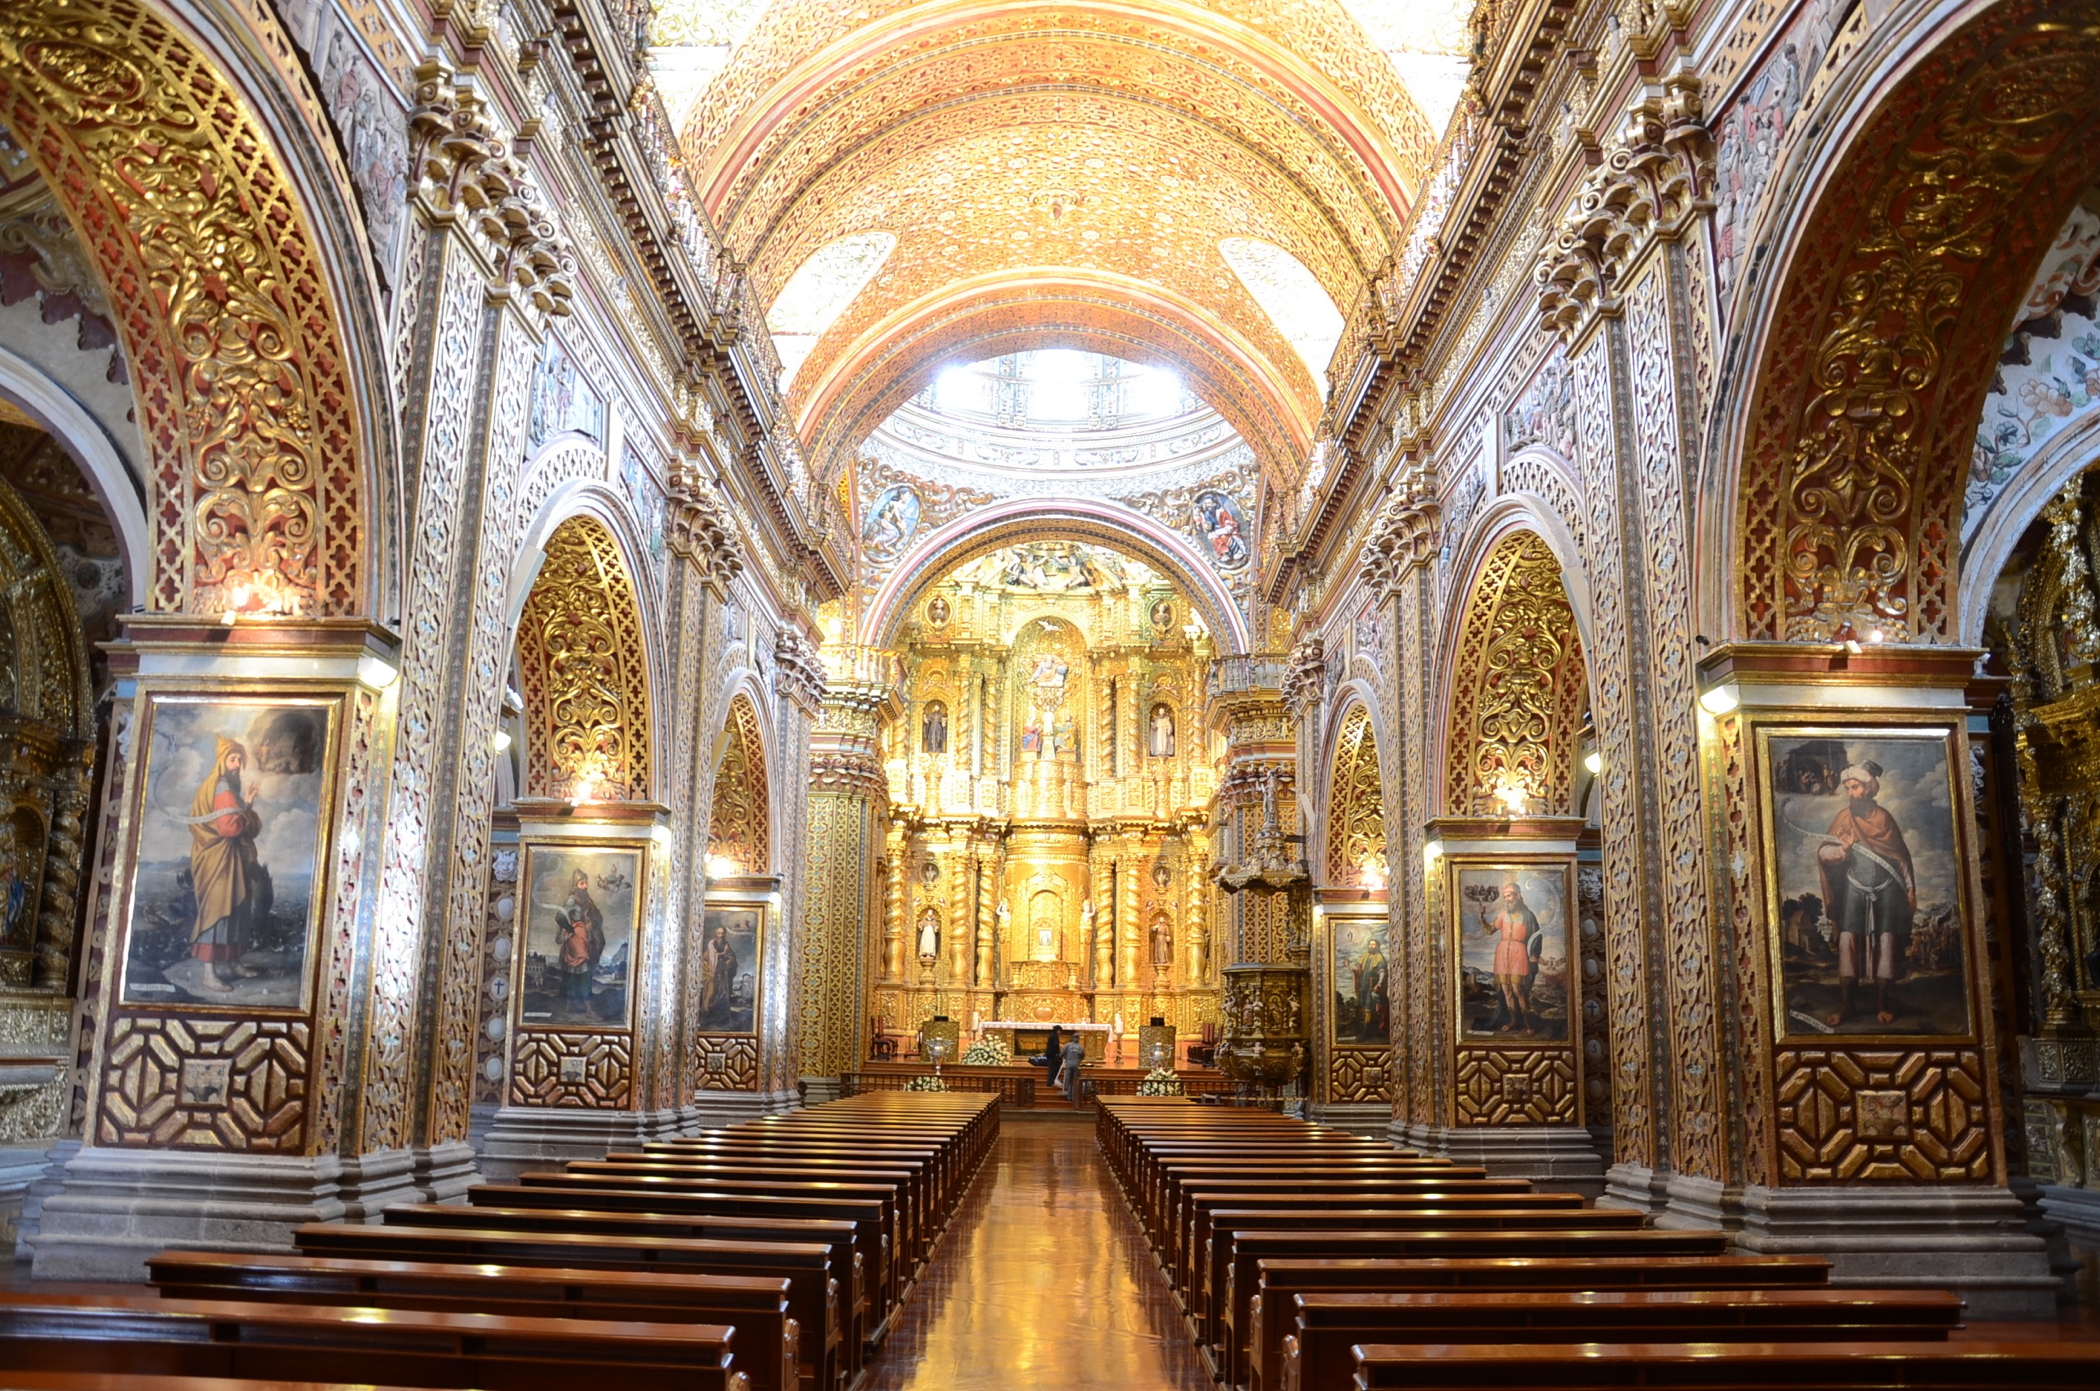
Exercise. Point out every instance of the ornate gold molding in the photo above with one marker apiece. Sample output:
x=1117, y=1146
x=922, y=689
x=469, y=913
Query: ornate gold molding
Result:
x=739, y=828
x=701, y=530
x=800, y=672
x=222, y=297
x=1406, y=534
x=585, y=671
x=1305, y=677
x=1356, y=805
x=1518, y=688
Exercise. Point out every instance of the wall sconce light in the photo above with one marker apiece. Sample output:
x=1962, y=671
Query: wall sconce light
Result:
x=1719, y=700
x=1374, y=875
x=1514, y=794
x=1432, y=851
x=376, y=672
x=1594, y=761
x=500, y=741
x=722, y=867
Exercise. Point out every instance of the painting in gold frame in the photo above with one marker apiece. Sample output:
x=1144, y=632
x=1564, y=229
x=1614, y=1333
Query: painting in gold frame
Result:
x=732, y=942
x=583, y=933
x=229, y=842
x=1359, y=974
x=1511, y=919
x=1866, y=881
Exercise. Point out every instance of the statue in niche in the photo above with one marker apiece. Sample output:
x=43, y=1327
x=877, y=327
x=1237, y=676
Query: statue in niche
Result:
x=1064, y=739
x=1086, y=919
x=1162, y=944
x=933, y=734
x=929, y=937
x=1048, y=680
x=1161, y=743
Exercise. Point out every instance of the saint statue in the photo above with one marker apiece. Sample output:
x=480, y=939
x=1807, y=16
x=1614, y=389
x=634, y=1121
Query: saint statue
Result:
x=1032, y=738
x=1162, y=738
x=226, y=874
x=934, y=730
x=1162, y=944
x=929, y=937
x=1064, y=739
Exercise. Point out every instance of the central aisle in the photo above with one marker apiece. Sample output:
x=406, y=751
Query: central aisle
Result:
x=1042, y=1280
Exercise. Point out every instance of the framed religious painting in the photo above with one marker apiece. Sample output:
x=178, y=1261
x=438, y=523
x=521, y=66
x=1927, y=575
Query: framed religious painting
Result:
x=732, y=940
x=1511, y=936
x=1867, y=890
x=1359, y=974
x=229, y=848
x=582, y=904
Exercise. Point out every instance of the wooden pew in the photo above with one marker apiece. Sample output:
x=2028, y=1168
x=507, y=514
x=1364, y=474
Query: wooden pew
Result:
x=1278, y=1283
x=1893, y=1366
x=1252, y=1247
x=1318, y=1355
x=915, y=1217
x=756, y=1308
x=816, y=1296
x=147, y=1335
x=1230, y=1227
x=128, y=1381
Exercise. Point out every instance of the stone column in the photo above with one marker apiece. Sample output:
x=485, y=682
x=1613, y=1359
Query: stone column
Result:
x=894, y=927
x=847, y=799
x=986, y=864
x=801, y=681
x=1130, y=867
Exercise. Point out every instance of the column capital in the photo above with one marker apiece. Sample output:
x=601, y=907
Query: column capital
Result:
x=801, y=677
x=701, y=530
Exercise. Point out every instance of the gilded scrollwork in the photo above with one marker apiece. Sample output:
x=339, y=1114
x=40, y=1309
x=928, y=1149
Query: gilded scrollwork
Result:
x=740, y=829
x=581, y=654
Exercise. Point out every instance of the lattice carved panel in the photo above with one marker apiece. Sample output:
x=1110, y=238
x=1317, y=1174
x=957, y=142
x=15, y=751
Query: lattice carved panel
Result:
x=214, y=1084
x=1861, y=1114
x=593, y=1071
x=1356, y=816
x=739, y=826
x=1518, y=690
x=244, y=398
x=1500, y=1086
x=584, y=665
x=1359, y=1075
x=725, y=1063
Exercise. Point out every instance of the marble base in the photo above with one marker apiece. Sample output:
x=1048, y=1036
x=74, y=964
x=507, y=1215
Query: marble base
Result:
x=528, y=1139
x=1359, y=1118
x=22, y=1168
x=1972, y=1240
x=818, y=1090
x=1699, y=1205
x=1560, y=1159
x=116, y=1207
x=29, y=1218
x=713, y=1110
x=1635, y=1187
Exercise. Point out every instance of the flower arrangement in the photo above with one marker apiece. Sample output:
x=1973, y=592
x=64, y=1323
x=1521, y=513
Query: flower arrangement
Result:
x=1160, y=1081
x=928, y=1083
x=987, y=1052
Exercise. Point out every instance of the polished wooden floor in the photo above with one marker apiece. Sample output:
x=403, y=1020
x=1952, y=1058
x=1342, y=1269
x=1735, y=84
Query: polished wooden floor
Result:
x=1043, y=1279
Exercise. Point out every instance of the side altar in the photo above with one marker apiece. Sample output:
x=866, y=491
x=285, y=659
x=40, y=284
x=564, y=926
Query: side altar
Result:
x=1028, y=1038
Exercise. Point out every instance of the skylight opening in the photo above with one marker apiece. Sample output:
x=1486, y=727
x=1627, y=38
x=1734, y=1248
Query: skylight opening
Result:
x=819, y=292
x=1293, y=298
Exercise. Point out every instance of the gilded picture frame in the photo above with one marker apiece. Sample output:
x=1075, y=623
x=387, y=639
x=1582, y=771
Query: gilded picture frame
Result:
x=1359, y=982
x=226, y=881
x=1494, y=934
x=1869, y=906
x=584, y=903
x=730, y=985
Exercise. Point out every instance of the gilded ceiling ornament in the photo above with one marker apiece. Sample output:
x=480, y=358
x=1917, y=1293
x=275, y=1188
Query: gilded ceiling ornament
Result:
x=1518, y=688
x=220, y=294
x=584, y=664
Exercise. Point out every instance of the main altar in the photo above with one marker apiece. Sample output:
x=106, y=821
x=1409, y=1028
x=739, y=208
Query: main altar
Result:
x=1048, y=851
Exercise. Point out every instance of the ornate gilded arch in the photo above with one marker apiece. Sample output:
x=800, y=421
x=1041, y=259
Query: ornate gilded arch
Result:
x=1355, y=805
x=740, y=828
x=585, y=669
x=1519, y=689
x=219, y=287
x=1863, y=405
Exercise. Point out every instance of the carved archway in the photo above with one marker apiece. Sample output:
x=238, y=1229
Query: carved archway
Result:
x=739, y=830
x=584, y=666
x=1519, y=688
x=1355, y=806
x=222, y=293
x=1874, y=362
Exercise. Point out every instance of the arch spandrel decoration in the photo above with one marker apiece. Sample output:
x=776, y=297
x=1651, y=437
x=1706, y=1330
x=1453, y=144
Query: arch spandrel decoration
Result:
x=1518, y=687
x=585, y=671
x=1863, y=415
x=1356, y=804
x=739, y=829
x=243, y=394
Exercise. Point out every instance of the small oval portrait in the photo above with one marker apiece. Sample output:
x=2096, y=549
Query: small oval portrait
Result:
x=937, y=613
x=1224, y=528
x=891, y=522
x=1162, y=615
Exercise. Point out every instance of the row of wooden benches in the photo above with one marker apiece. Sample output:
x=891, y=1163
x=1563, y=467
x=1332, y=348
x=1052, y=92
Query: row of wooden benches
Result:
x=1310, y=1259
x=767, y=1256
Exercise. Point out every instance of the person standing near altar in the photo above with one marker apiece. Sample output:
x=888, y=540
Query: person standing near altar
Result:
x=1075, y=1057
x=1053, y=1056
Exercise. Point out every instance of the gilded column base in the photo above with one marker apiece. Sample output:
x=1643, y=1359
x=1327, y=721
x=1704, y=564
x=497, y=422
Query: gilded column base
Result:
x=1972, y=1239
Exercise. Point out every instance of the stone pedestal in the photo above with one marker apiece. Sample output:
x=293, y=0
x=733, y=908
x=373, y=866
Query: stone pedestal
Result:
x=1558, y=1158
x=531, y=1138
x=119, y=1206
x=1970, y=1239
x=1366, y=1118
